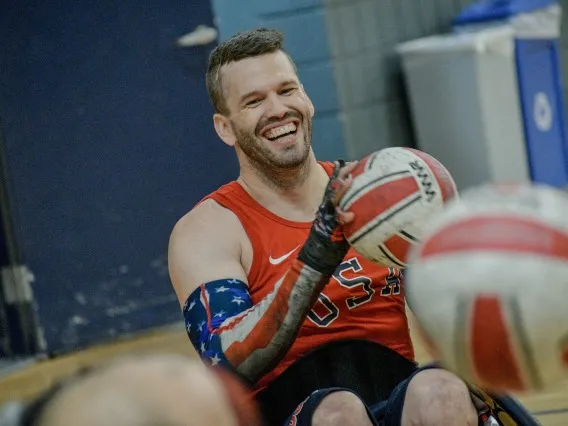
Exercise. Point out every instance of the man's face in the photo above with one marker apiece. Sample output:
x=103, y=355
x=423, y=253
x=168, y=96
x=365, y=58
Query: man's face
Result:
x=270, y=114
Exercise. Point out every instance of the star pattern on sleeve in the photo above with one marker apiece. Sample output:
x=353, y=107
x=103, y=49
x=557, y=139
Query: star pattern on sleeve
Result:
x=207, y=308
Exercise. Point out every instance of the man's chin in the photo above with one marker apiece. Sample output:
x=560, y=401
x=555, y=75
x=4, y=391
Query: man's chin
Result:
x=292, y=161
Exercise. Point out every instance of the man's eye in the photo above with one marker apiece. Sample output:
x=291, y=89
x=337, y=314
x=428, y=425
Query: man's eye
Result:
x=288, y=91
x=252, y=103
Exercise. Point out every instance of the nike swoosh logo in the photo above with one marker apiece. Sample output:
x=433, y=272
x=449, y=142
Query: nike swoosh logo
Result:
x=280, y=259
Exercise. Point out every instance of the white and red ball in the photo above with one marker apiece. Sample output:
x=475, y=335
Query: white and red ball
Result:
x=489, y=287
x=394, y=194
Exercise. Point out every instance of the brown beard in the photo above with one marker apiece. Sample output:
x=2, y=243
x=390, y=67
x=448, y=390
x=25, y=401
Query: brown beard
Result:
x=280, y=173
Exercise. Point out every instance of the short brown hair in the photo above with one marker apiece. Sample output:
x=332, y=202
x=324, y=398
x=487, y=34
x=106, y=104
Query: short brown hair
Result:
x=245, y=44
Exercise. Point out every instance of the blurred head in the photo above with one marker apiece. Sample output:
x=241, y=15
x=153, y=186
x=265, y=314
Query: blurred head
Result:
x=260, y=105
x=164, y=390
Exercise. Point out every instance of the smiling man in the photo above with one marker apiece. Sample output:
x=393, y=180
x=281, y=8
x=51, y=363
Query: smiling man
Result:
x=261, y=268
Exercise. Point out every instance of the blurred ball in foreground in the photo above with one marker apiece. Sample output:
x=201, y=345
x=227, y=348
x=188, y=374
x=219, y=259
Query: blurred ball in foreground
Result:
x=489, y=287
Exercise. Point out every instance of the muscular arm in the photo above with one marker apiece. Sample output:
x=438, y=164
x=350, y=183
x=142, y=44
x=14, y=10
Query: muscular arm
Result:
x=222, y=322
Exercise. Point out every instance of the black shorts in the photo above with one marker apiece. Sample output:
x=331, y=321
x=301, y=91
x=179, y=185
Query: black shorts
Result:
x=383, y=413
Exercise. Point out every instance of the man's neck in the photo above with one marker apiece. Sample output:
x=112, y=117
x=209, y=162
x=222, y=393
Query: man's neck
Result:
x=293, y=194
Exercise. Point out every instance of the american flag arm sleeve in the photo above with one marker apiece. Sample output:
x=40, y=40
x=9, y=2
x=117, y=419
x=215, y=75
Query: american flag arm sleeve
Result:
x=227, y=329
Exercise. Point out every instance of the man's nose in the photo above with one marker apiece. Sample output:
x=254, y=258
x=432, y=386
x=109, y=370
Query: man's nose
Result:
x=275, y=106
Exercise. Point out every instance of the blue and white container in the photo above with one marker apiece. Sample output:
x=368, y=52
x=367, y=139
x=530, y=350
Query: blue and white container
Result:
x=536, y=25
x=495, y=86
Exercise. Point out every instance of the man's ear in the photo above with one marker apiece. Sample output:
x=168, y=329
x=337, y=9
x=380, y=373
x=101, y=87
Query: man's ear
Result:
x=224, y=129
x=310, y=104
x=312, y=108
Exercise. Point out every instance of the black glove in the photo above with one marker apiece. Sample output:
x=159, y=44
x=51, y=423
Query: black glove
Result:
x=326, y=245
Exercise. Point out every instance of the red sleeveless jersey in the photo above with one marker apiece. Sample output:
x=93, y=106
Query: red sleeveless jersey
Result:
x=361, y=301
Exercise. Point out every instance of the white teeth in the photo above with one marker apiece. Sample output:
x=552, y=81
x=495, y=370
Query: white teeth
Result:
x=279, y=131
